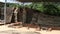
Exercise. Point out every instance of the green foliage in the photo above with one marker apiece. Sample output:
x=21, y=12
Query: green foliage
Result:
x=13, y=5
x=50, y=8
x=10, y=5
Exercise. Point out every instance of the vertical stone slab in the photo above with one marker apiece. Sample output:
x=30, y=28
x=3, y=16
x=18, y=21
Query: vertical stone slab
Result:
x=9, y=13
x=19, y=15
x=29, y=14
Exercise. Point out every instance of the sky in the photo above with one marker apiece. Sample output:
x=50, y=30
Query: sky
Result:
x=9, y=1
x=14, y=1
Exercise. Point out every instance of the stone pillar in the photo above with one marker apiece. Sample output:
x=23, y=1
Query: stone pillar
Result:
x=15, y=14
x=24, y=15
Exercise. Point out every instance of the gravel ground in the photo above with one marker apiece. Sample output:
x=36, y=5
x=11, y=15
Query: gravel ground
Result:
x=16, y=32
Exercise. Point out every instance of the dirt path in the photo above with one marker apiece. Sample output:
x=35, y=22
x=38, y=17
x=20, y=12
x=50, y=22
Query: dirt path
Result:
x=6, y=30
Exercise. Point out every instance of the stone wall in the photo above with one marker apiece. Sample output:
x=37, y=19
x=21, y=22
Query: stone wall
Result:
x=34, y=16
x=8, y=14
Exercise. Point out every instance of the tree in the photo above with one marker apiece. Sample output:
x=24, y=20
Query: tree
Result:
x=50, y=8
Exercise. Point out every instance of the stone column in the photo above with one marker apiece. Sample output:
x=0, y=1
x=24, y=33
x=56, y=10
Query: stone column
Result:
x=24, y=15
x=15, y=13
